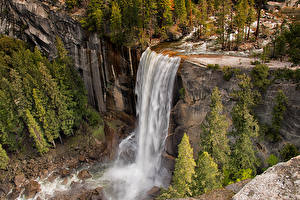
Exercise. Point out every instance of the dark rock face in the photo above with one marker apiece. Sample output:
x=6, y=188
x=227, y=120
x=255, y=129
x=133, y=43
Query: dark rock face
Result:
x=189, y=111
x=108, y=71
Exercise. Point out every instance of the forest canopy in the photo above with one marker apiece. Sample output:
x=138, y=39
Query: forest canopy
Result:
x=40, y=100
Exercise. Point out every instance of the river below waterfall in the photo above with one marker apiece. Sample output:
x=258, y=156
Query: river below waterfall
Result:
x=138, y=166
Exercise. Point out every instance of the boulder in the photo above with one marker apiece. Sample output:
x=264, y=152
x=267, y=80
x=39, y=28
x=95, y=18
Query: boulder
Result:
x=236, y=187
x=154, y=192
x=4, y=190
x=84, y=174
x=64, y=172
x=81, y=158
x=32, y=188
x=281, y=181
x=19, y=180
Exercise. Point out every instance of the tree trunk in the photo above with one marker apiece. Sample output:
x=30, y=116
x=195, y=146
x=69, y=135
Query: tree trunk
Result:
x=258, y=18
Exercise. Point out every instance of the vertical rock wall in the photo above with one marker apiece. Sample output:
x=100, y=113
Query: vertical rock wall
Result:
x=108, y=71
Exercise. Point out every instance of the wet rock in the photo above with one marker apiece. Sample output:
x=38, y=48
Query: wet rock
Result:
x=4, y=190
x=65, y=181
x=281, y=181
x=53, y=176
x=84, y=174
x=154, y=192
x=93, y=155
x=64, y=172
x=32, y=188
x=81, y=158
x=19, y=180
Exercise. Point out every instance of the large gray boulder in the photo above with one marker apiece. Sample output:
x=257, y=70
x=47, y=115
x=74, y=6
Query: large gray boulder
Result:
x=281, y=181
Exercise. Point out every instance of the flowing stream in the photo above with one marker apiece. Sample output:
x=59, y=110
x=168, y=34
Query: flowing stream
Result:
x=132, y=178
x=138, y=165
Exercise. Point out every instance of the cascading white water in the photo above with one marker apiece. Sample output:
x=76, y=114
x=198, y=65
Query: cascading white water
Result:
x=154, y=87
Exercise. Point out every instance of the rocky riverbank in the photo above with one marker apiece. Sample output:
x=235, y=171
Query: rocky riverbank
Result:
x=84, y=149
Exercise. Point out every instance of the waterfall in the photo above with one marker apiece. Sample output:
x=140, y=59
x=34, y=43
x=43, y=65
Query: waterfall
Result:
x=138, y=166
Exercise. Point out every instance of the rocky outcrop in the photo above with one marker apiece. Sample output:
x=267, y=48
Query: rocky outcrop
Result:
x=108, y=71
x=192, y=104
x=281, y=181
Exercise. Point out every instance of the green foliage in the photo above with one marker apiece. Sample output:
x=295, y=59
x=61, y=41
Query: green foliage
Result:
x=180, y=11
x=287, y=74
x=213, y=66
x=168, y=194
x=182, y=93
x=243, y=174
x=214, y=137
x=245, y=126
x=3, y=158
x=288, y=43
x=39, y=99
x=116, y=22
x=228, y=73
x=259, y=75
x=272, y=160
x=279, y=110
x=36, y=133
x=94, y=18
x=93, y=117
x=246, y=96
x=184, y=168
x=265, y=56
x=288, y=151
x=207, y=176
x=256, y=62
x=72, y=3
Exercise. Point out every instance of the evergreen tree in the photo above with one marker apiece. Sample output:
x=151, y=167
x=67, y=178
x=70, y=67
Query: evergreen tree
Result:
x=184, y=168
x=279, y=110
x=207, y=176
x=189, y=8
x=3, y=158
x=245, y=126
x=202, y=16
x=94, y=19
x=164, y=14
x=214, y=137
x=250, y=17
x=36, y=133
x=180, y=11
x=222, y=20
x=242, y=10
x=116, y=22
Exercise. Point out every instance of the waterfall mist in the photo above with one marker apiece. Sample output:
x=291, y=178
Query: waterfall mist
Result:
x=138, y=165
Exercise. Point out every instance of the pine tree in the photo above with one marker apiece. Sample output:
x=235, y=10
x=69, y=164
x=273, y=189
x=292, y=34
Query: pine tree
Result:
x=201, y=15
x=116, y=22
x=189, y=9
x=279, y=110
x=207, y=176
x=164, y=14
x=251, y=17
x=184, y=168
x=36, y=133
x=214, y=137
x=180, y=11
x=3, y=158
x=222, y=19
x=242, y=10
x=245, y=126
